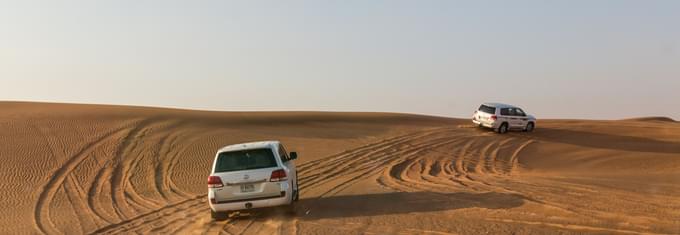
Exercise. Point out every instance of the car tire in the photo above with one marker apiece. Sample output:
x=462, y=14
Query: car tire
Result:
x=503, y=128
x=529, y=127
x=219, y=215
x=296, y=192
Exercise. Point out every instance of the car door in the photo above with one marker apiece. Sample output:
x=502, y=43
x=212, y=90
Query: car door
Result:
x=505, y=116
x=518, y=118
x=514, y=119
x=522, y=118
x=289, y=164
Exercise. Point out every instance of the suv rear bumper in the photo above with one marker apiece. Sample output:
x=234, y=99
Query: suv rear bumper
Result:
x=284, y=199
x=485, y=124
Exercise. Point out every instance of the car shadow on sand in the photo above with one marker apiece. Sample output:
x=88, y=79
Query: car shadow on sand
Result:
x=402, y=203
x=394, y=203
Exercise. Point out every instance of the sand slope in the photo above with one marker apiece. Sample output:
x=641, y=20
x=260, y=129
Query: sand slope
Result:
x=111, y=169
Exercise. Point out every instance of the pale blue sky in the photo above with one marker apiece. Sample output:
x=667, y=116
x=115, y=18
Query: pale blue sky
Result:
x=570, y=59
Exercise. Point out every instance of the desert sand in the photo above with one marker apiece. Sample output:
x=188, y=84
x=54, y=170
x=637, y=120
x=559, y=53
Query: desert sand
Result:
x=83, y=169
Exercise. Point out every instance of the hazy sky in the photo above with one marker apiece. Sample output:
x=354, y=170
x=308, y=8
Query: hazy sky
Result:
x=571, y=59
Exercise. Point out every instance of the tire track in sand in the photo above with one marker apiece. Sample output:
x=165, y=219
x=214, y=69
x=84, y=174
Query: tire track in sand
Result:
x=325, y=168
x=147, y=220
x=41, y=217
x=466, y=170
x=514, y=159
x=119, y=174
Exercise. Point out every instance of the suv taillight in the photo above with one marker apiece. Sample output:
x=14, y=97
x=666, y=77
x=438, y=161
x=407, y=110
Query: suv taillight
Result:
x=493, y=117
x=278, y=175
x=215, y=182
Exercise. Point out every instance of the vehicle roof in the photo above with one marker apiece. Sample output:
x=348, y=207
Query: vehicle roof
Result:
x=272, y=144
x=500, y=105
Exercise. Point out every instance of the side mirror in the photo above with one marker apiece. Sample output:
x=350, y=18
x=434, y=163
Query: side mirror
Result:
x=293, y=155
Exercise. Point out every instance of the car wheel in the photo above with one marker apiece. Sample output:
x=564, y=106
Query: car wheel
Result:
x=219, y=215
x=296, y=195
x=530, y=127
x=503, y=128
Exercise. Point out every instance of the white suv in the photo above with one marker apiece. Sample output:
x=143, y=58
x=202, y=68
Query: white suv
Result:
x=503, y=117
x=252, y=175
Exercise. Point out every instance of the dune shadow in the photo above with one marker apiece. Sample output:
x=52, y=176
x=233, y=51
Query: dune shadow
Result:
x=605, y=141
x=401, y=203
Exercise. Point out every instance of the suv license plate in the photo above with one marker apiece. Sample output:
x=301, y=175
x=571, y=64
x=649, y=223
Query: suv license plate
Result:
x=246, y=188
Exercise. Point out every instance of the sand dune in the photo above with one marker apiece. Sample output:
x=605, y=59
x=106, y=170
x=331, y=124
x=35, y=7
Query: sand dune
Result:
x=655, y=119
x=74, y=169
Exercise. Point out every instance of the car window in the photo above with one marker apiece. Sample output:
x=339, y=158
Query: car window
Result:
x=283, y=154
x=505, y=111
x=519, y=112
x=245, y=160
x=487, y=109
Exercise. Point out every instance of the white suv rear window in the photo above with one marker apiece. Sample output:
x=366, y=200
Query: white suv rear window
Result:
x=245, y=160
x=487, y=109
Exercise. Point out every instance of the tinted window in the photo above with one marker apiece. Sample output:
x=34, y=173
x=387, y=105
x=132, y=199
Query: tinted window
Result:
x=519, y=112
x=487, y=109
x=245, y=160
x=505, y=111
